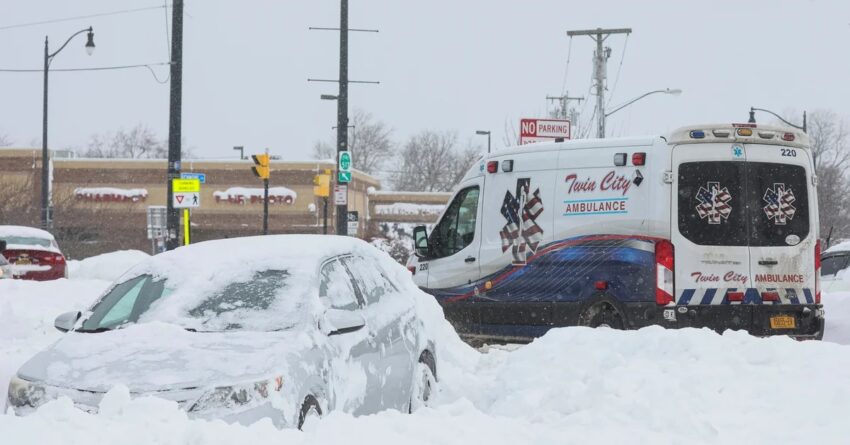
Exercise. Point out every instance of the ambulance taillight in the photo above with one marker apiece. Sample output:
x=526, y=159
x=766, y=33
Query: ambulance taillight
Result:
x=664, y=264
x=817, y=272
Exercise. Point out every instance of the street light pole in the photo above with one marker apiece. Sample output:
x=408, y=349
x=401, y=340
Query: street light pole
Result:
x=46, y=217
x=241, y=151
x=482, y=132
x=753, y=118
x=673, y=91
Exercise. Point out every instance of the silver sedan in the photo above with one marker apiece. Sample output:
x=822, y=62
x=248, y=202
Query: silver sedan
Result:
x=284, y=327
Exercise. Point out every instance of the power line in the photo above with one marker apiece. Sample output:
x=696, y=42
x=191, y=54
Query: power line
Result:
x=69, y=19
x=620, y=67
x=96, y=68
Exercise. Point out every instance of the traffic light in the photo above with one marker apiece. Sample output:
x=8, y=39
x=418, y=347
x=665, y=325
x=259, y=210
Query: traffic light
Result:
x=261, y=170
x=322, y=185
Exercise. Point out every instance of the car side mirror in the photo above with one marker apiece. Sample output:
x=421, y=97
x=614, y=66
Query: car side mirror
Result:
x=2, y=246
x=420, y=241
x=66, y=321
x=338, y=321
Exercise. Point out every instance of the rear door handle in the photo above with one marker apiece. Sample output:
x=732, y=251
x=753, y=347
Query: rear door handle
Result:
x=470, y=259
x=768, y=262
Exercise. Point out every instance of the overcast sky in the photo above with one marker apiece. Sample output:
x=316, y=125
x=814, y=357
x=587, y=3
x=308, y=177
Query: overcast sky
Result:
x=462, y=65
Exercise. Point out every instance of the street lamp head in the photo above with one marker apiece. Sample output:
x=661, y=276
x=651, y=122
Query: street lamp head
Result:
x=674, y=91
x=329, y=97
x=482, y=132
x=90, y=42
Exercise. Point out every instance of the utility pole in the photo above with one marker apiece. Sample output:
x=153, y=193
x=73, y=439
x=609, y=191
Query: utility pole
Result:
x=563, y=109
x=266, y=197
x=174, y=124
x=342, y=107
x=342, y=111
x=600, y=59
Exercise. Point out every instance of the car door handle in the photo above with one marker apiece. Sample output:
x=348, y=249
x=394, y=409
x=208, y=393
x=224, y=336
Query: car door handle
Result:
x=470, y=259
x=768, y=262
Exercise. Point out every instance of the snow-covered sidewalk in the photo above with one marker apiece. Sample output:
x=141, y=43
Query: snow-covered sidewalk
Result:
x=574, y=385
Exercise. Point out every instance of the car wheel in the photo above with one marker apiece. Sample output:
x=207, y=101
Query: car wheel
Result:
x=607, y=317
x=310, y=412
x=424, y=384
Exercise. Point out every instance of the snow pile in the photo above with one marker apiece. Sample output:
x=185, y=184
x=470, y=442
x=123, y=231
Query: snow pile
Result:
x=836, y=305
x=242, y=195
x=406, y=209
x=27, y=312
x=110, y=194
x=108, y=266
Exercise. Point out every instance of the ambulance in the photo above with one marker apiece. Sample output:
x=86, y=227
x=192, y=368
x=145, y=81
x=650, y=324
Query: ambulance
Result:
x=711, y=226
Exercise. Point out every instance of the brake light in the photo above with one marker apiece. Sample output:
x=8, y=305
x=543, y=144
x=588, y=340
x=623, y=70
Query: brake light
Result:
x=492, y=166
x=638, y=158
x=664, y=266
x=817, y=272
x=735, y=296
x=770, y=296
x=412, y=269
x=788, y=137
x=601, y=285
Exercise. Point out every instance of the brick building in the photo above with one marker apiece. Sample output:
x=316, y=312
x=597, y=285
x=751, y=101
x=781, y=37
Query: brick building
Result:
x=100, y=204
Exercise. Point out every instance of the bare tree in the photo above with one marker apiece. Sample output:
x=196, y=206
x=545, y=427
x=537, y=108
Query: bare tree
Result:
x=370, y=143
x=17, y=203
x=828, y=136
x=431, y=161
x=5, y=140
x=140, y=142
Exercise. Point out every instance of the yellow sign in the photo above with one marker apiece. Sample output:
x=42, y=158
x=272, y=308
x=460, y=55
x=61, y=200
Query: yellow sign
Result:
x=186, y=185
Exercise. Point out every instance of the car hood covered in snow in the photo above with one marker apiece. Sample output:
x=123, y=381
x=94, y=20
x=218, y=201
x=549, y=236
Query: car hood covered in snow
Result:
x=158, y=356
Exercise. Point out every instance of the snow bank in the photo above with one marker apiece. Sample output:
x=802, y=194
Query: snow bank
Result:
x=27, y=312
x=108, y=266
x=574, y=385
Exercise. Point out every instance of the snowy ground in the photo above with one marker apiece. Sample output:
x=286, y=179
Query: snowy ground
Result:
x=574, y=385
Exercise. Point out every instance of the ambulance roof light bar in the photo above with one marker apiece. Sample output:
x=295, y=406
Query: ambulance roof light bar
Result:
x=743, y=132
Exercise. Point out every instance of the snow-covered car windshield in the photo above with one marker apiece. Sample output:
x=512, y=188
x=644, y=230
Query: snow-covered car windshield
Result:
x=262, y=303
x=27, y=241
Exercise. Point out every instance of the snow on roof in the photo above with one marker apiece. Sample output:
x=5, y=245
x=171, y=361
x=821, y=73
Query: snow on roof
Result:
x=406, y=208
x=374, y=192
x=244, y=256
x=23, y=231
x=840, y=247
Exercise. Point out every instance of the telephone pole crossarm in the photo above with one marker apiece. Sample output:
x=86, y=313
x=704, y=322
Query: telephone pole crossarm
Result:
x=599, y=68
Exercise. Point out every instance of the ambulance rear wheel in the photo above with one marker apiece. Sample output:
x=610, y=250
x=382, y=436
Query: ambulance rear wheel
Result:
x=607, y=317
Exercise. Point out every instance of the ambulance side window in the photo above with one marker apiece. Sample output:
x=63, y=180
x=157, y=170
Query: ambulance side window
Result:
x=457, y=228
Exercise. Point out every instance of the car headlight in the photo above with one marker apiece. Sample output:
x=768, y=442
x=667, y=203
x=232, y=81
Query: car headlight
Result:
x=232, y=396
x=23, y=393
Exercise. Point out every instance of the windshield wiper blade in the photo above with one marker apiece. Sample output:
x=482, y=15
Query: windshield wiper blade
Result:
x=93, y=331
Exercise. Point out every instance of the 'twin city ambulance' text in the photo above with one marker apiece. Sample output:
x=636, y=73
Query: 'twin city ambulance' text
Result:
x=712, y=226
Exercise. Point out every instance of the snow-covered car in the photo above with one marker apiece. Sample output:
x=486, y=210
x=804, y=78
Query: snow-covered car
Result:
x=834, y=263
x=287, y=327
x=34, y=253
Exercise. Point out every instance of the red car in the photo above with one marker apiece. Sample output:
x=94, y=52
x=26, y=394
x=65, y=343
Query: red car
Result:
x=33, y=253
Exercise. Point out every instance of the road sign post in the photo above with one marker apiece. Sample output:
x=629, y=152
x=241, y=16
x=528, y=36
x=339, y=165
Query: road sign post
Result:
x=186, y=194
x=186, y=227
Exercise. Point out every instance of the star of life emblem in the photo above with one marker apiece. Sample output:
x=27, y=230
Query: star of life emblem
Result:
x=713, y=203
x=779, y=206
x=521, y=232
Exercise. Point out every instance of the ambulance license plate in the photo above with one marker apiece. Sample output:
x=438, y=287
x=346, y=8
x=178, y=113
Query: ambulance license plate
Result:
x=783, y=322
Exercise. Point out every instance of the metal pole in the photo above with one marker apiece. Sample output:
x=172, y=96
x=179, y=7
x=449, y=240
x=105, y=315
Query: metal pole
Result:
x=174, y=124
x=265, y=207
x=45, y=158
x=186, y=227
x=488, y=142
x=342, y=110
x=325, y=225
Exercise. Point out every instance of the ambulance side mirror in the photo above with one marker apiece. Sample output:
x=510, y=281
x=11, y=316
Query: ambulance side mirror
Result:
x=2, y=246
x=420, y=241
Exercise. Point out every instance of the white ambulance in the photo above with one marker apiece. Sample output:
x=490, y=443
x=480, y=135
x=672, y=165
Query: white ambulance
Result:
x=712, y=226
